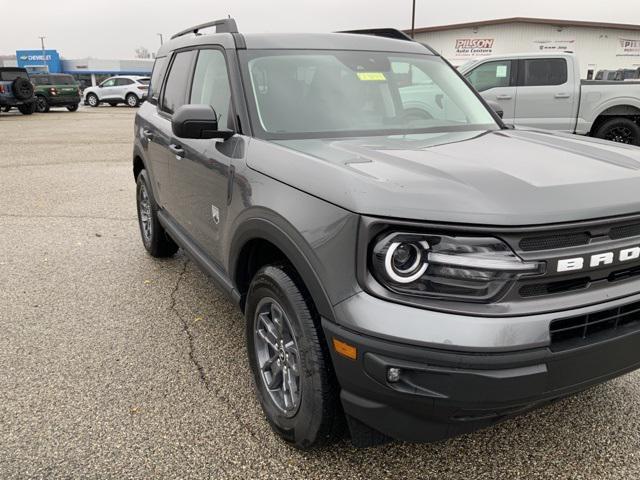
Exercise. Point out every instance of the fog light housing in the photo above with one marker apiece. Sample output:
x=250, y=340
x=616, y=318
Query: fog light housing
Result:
x=393, y=374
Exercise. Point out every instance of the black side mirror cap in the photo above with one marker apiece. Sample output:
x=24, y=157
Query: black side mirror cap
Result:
x=496, y=107
x=197, y=121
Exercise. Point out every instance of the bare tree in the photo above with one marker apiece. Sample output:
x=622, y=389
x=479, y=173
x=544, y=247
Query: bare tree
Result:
x=142, y=52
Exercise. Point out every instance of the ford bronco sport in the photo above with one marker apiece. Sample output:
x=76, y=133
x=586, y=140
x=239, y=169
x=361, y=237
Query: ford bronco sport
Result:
x=56, y=90
x=16, y=90
x=404, y=261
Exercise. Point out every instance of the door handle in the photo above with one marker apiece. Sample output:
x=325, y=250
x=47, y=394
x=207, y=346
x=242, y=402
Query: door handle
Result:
x=177, y=150
x=148, y=134
x=504, y=97
x=562, y=95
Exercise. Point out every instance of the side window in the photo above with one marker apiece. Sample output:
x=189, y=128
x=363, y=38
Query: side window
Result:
x=545, y=71
x=41, y=80
x=175, y=90
x=159, y=68
x=211, y=84
x=122, y=82
x=109, y=83
x=491, y=75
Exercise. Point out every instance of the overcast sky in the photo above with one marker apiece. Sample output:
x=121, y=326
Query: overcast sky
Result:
x=115, y=28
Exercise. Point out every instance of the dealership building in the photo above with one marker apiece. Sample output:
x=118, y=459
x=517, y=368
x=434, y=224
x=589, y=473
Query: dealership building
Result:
x=88, y=71
x=599, y=46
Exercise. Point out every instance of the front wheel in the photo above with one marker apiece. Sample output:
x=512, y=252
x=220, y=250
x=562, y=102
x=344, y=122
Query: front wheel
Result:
x=620, y=130
x=132, y=100
x=292, y=370
x=92, y=100
x=72, y=108
x=42, y=105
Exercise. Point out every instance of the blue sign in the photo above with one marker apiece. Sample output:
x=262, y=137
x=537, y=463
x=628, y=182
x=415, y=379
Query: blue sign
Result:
x=38, y=59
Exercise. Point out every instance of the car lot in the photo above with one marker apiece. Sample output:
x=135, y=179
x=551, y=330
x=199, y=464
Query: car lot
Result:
x=113, y=364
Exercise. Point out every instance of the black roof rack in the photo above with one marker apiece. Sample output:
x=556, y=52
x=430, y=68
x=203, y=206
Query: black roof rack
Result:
x=382, y=32
x=226, y=25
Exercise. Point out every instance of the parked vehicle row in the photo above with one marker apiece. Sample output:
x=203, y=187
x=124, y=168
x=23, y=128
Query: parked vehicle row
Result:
x=407, y=264
x=545, y=91
x=40, y=92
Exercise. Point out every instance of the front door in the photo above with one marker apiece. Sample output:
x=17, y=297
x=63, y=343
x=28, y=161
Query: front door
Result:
x=200, y=177
x=495, y=81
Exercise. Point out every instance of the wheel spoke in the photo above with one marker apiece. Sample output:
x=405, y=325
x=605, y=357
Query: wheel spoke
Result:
x=268, y=364
x=276, y=378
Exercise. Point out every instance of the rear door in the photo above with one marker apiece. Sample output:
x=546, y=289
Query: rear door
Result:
x=496, y=81
x=122, y=85
x=547, y=96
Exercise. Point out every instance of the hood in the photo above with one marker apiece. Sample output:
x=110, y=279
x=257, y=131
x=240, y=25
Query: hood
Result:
x=506, y=177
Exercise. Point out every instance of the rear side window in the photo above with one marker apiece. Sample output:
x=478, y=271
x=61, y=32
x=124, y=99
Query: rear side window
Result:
x=143, y=81
x=211, y=84
x=491, y=75
x=545, y=71
x=41, y=80
x=11, y=75
x=159, y=68
x=175, y=90
x=122, y=82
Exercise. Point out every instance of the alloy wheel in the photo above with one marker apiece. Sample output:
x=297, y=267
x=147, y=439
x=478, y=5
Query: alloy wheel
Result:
x=144, y=207
x=620, y=134
x=278, y=356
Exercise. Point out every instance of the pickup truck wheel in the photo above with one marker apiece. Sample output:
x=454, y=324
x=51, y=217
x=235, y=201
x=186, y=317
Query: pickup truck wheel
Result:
x=72, y=108
x=27, y=108
x=154, y=238
x=132, y=100
x=42, y=105
x=288, y=358
x=92, y=100
x=621, y=130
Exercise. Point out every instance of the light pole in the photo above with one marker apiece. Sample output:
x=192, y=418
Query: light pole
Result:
x=413, y=19
x=160, y=35
x=44, y=57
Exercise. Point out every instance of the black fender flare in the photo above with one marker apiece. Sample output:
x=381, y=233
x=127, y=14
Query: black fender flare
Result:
x=263, y=224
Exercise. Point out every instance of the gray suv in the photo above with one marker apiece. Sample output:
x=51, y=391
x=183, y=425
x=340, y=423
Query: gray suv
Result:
x=409, y=267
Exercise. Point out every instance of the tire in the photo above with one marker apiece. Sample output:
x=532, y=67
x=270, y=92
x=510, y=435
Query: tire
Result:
x=6, y=109
x=72, y=108
x=92, y=100
x=154, y=238
x=621, y=130
x=132, y=100
x=312, y=417
x=42, y=105
x=22, y=88
x=27, y=108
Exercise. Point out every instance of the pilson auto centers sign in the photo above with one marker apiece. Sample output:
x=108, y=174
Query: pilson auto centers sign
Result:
x=474, y=47
x=628, y=47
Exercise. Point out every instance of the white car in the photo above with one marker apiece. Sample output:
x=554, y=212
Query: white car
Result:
x=129, y=89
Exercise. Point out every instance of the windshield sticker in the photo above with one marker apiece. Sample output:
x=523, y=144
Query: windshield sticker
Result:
x=372, y=76
x=501, y=71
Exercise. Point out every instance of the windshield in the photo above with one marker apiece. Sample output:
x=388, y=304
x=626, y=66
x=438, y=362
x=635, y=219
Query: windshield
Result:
x=345, y=93
x=11, y=75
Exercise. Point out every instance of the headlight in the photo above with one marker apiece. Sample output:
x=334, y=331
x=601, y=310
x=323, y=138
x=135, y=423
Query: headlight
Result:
x=477, y=269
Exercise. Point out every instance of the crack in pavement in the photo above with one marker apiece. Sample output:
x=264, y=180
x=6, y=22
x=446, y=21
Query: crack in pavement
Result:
x=192, y=357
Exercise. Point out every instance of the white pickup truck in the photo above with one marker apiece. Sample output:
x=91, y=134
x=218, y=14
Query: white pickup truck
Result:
x=544, y=90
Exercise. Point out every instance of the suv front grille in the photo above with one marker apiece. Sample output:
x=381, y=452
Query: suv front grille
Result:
x=551, y=242
x=624, y=231
x=583, y=329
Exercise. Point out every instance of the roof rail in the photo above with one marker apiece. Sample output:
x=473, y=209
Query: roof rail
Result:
x=382, y=32
x=225, y=25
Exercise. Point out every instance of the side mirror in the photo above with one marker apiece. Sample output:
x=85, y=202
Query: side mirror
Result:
x=496, y=107
x=197, y=121
x=100, y=85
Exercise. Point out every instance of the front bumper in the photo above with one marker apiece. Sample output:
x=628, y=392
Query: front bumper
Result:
x=444, y=392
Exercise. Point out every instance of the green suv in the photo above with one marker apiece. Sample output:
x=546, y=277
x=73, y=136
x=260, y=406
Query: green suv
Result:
x=56, y=90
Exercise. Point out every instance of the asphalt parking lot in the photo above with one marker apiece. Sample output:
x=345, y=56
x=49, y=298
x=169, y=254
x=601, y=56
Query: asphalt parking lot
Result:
x=116, y=365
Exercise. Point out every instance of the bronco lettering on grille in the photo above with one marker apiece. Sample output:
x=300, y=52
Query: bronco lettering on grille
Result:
x=599, y=259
